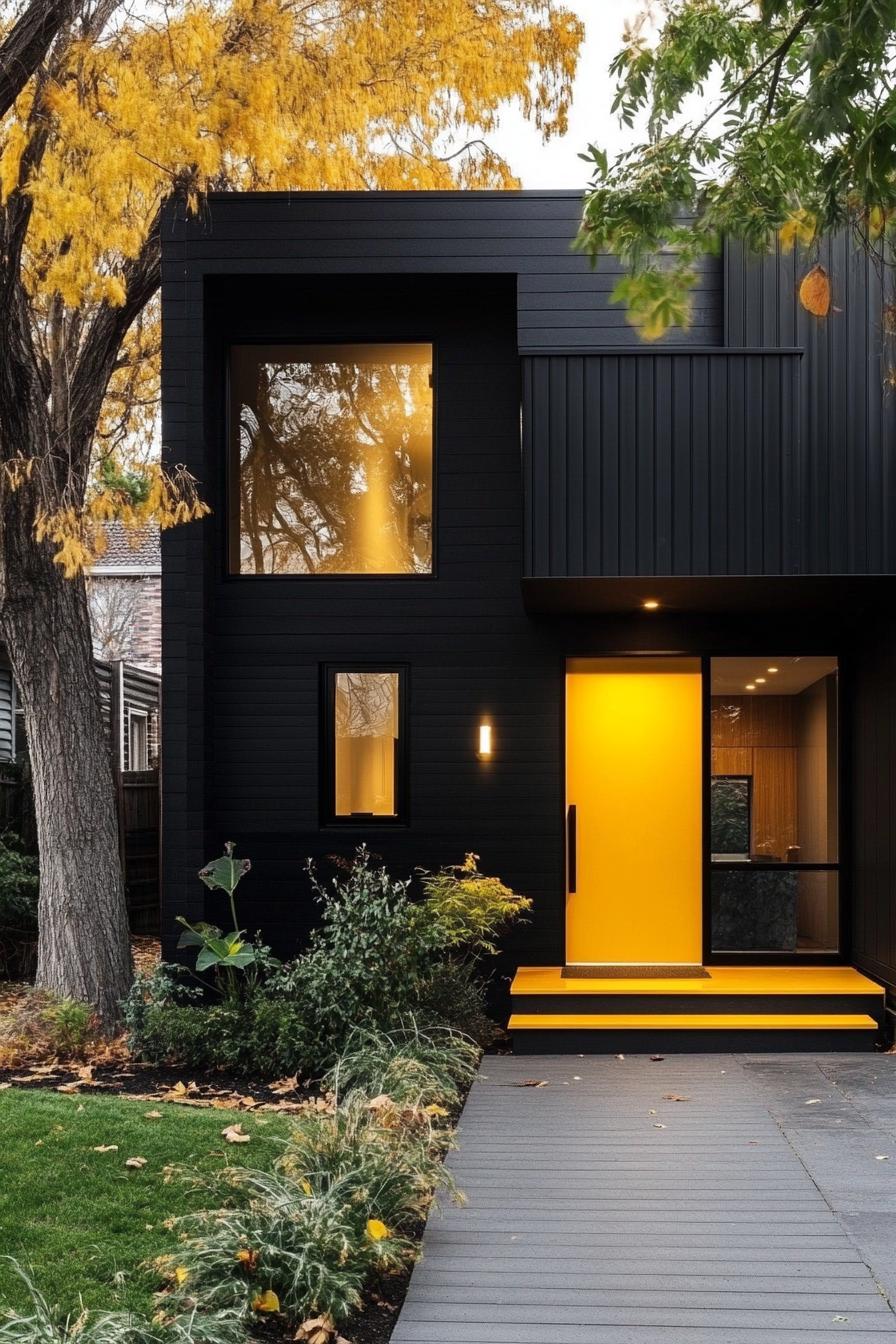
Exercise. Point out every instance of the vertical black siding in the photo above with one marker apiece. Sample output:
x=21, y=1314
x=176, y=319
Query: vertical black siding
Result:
x=662, y=463
x=848, y=413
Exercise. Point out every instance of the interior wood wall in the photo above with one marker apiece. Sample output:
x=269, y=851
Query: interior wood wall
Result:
x=757, y=736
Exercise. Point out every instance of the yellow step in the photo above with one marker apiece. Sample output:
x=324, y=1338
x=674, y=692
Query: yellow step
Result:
x=720, y=980
x=692, y=1022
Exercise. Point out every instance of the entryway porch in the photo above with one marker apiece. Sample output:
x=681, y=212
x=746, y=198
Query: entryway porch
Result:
x=728, y=1008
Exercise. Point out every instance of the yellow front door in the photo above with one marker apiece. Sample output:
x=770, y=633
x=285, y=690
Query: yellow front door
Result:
x=634, y=777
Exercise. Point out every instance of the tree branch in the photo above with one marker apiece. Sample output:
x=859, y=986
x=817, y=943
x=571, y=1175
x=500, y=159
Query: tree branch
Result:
x=27, y=43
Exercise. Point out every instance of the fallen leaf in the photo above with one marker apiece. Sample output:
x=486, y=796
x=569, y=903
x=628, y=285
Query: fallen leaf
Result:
x=882, y=1157
x=813, y=1101
x=284, y=1086
x=841, y=1320
x=106, y=1148
x=532, y=1082
x=658, y=1126
x=376, y=1230
x=181, y=1274
x=673, y=1096
x=620, y=1056
x=248, y=1258
x=234, y=1134
x=152, y=1115
x=136, y=1162
x=266, y=1301
x=655, y=1059
x=319, y=1330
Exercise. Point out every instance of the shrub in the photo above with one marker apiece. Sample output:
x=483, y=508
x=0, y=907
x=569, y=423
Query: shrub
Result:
x=352, y=1186
x=43, y=1325
x=466, y=910
x=18, y=909
x=454, y=996
x=414, y=1067
x=70, y=1027
x=366, y=959
x=41, y=1026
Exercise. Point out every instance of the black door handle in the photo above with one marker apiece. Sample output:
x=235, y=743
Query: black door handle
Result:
x=571, y=847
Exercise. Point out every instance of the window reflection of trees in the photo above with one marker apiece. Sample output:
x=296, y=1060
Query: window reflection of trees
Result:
x=366, y=704
x=335, y=466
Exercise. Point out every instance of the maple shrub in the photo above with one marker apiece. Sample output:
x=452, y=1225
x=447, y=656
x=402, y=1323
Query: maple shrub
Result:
x=749, y=120
x=109, y=115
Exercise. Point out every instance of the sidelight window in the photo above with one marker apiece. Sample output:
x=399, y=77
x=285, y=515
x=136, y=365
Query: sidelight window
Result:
x=774, y=820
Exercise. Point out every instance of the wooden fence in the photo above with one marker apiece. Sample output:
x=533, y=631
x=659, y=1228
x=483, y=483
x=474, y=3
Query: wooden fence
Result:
x=138, y=837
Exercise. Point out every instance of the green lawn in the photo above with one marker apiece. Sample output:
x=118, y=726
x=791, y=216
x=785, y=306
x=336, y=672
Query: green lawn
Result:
x=81, y=1220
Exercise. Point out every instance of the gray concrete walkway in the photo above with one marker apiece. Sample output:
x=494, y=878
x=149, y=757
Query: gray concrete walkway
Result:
x=760, y=1209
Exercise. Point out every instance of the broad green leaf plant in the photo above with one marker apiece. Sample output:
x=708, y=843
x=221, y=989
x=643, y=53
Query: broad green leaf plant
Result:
x=224, y=953
x=794, y=135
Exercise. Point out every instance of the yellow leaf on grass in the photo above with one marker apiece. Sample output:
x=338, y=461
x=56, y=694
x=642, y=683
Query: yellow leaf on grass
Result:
x=376, y=1230
x=181, y=1274
x=136, y=1162
x=266, y=1301
x=307, y=1187
x=234, y=1134
x=435, y=1110
x=247, y=1257
x=106, y=1148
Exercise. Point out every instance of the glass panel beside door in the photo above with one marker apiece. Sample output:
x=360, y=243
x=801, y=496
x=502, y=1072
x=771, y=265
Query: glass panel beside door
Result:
x=774, y=806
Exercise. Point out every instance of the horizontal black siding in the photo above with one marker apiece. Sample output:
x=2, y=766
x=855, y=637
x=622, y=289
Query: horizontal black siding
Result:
x=563, y=302
x=242, y=729
x=662, y=463
x=848, y=413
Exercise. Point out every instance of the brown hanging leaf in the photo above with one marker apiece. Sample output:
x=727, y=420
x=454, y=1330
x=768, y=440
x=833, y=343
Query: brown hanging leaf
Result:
x=815, y=292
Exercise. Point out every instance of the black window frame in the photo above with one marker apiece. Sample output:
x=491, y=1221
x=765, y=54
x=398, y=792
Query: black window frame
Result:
x=840, y=866
x=231, y=464
x=329, y=818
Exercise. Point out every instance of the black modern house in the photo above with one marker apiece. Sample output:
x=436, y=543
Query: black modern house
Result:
x=486, y=572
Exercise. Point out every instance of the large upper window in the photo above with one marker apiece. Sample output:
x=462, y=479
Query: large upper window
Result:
x=331, y=459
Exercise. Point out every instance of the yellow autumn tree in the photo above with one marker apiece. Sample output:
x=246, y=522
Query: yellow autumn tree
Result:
x=107, y=112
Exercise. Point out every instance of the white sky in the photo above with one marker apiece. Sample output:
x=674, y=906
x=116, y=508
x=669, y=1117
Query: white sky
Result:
x=555, y=164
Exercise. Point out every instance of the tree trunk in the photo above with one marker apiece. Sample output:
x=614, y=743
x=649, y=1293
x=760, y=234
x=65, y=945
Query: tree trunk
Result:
x=83, y=944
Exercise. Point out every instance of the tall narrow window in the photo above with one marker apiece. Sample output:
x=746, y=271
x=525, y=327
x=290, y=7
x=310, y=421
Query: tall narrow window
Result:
x=774, y=806
x=331, y=452
x=366, y=745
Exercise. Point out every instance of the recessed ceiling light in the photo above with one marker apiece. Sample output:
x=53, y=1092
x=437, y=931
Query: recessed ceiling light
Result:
x=650, y=604
x=750, y=686
x=760, y=681
x=772, y=669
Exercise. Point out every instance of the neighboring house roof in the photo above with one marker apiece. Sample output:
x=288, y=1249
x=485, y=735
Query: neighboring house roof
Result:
x=130, y=551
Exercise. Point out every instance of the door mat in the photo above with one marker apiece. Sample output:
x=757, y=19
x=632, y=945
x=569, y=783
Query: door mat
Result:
x=598, y=972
